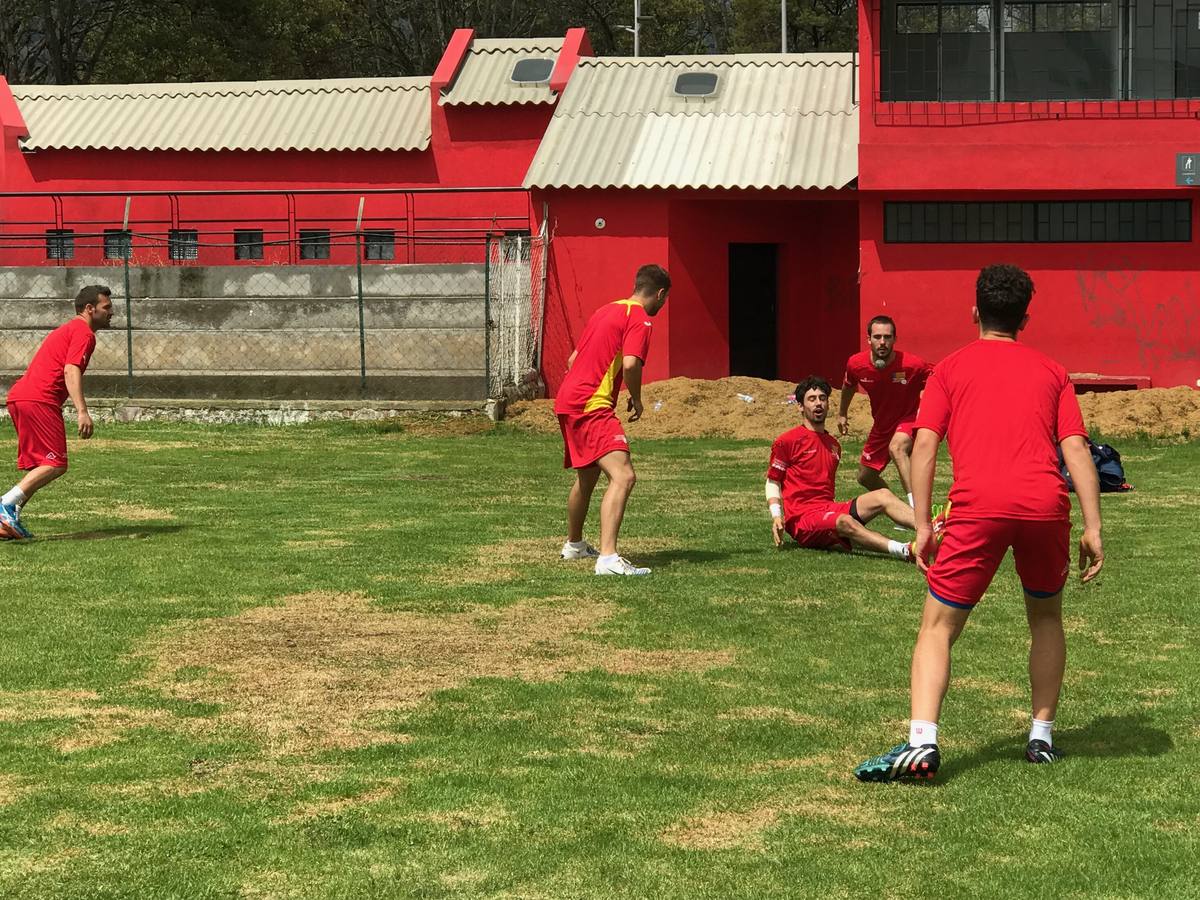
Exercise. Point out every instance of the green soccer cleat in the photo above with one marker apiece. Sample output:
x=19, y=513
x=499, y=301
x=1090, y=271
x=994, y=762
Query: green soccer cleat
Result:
x=1041, y=752
x=904, y=761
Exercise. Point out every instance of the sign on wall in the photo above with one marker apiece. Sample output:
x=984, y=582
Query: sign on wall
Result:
x=1187, y=169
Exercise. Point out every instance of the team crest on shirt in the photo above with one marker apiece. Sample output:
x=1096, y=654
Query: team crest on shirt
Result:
x=899, y=378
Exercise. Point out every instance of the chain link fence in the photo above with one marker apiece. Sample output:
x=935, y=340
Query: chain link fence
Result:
x=345, y=322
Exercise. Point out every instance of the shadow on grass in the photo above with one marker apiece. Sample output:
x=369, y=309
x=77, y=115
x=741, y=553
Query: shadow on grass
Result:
x=1105, y=737
x=669, y=557
x=121, y=531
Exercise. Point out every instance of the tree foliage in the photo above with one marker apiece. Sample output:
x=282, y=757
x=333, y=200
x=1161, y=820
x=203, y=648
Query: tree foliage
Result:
x=79, y=41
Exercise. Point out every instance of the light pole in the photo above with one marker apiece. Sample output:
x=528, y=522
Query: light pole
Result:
x=782, y=27
x=636, y=28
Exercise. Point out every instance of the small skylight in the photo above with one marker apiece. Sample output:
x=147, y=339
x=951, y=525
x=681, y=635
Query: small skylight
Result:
x=532, y=71
x=696, y=84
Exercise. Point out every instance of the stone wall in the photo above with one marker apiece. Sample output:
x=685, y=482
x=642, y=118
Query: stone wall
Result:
x=264, y=332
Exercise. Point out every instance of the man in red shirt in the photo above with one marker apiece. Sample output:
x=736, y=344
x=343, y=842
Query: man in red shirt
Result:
x=893, y=381
x=1007, y=492
x=800, y=481
x=612, y=350
x=35, y=403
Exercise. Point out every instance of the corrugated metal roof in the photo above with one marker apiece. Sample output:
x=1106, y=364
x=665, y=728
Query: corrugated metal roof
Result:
x=774, y=122
x=485, y=77
x=327, y=114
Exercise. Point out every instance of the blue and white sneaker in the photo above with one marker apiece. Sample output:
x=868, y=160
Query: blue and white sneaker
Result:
x=10, y=520
x=901, y=762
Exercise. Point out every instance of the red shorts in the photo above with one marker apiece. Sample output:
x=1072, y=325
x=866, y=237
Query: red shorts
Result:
x=876, y=454
x=815, y=526
x=972, y=549
x=41, y=434
x=589, y=436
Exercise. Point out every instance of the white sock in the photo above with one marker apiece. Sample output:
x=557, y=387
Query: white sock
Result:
x=910, y=501
x=16, y=497
x=608, y=559
x=898, y=549
x=577, y=545
x=921, y=732
x=1040, y=731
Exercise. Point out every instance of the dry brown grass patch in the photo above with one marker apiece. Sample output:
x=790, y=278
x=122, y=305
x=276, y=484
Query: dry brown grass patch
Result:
x=321, y=544
x=94, y=723
x=326, y=671
x=989, y=686
x=68, y=821
x=334, y=806
x=771, y=714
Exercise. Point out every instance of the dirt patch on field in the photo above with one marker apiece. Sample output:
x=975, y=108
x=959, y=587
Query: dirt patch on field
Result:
x=93, y=723
x=324, y=671
x=690, y=408
x=746, y=829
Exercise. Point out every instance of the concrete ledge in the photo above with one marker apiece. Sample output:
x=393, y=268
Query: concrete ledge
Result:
x=260, y=412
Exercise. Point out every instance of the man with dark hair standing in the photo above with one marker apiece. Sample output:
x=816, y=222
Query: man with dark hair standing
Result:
x=612, y=350
x=893, y=381
x=1028, y=510
x=800, y=487
x=35, y=403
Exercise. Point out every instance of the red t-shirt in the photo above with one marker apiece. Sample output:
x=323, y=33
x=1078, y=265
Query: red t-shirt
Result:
x=895, y=391
x=614, y=331
x=805, y=463
x=44, y=381
x=1003, y=409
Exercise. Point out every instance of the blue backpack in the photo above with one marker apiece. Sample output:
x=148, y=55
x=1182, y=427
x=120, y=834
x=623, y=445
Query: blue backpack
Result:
x=1108, y=467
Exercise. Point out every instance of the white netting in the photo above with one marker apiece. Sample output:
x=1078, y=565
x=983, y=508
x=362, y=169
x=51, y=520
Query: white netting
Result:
x=516, y=313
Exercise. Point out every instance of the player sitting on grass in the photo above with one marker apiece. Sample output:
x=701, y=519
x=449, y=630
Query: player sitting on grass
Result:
x=611, y=350
x=35, y=403
x=800, y=481
x=1028, y=509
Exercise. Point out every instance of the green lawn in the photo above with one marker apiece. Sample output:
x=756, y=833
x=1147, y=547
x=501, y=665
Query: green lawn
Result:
x=343, y=661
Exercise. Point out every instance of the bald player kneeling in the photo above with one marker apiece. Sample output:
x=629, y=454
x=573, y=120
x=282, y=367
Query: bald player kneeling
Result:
x=800, y=483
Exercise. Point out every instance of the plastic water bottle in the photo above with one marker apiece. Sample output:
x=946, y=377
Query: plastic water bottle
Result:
x=746, y=397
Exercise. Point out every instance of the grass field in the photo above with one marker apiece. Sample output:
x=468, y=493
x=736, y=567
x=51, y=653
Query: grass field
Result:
x=343, y=661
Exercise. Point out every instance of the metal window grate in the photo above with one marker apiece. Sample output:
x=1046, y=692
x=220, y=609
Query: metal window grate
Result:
x=1036, y=222
x=118, y=244
x=60, y=243
x=183, y=243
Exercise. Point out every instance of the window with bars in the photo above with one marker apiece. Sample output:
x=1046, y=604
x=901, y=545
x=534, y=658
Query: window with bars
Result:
x=1052, y=221
x=314, y=243
x=1031, y=50
x=379, y=244
x=118, y=244
x=183, y=243
x=60, y=243
x=248, y=243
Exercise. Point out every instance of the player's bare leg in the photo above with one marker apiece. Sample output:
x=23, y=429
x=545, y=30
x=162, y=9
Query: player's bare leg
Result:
x=579, y=500
x=619, y=468
x=940, y=627
x=865, y=539
x=37, y=478
x=870, y=479
x=900, y=450
x=870, y=505
x=1047, y=662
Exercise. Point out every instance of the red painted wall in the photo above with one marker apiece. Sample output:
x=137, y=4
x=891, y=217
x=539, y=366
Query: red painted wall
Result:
x=1105, y=308
x=690, y=232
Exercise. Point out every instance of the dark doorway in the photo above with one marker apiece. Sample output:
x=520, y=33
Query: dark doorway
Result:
x=753, y=285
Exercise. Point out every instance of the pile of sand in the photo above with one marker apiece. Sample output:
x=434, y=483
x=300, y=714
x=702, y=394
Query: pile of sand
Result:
x=689, y=408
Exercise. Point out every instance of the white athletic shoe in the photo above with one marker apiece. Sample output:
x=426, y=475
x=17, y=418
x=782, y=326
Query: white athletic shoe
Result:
x=619, y=566
x=585, y=552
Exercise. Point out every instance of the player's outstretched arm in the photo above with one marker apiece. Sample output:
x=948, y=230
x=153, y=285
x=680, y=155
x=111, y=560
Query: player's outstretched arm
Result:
x=923, y=466
x=74, y=379
x=775, y=507
x=843, y=419
x=1078, y=457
